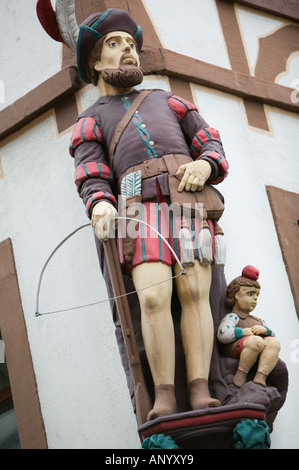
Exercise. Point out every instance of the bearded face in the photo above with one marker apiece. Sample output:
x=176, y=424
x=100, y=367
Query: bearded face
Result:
x=119, y=65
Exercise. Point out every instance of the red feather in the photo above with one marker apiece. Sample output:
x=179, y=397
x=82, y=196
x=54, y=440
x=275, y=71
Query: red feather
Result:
x=47, y=17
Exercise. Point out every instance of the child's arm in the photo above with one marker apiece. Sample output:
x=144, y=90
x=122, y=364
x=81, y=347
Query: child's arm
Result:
x=228, y=330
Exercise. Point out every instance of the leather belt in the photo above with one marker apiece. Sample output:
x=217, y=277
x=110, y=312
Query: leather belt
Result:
x=149, y=168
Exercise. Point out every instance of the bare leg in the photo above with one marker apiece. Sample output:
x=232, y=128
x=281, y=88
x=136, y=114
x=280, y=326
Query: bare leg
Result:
x=252, y=347
x=157, y=331
x=197, y=331
x=268, y=360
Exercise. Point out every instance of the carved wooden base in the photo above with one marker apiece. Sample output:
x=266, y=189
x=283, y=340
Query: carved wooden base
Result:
x=209, y=428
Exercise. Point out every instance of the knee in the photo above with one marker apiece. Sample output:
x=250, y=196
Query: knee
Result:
x=255, y=344
x=272, y=343
x=152, y=302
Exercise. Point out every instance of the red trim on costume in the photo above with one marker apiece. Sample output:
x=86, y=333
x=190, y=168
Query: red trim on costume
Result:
x=239, y=347
x=86, y=130
x=222, y=164
x=208, y=134
x=92, y=170
x=97, y=196
x=149, y=247
x=180, y=106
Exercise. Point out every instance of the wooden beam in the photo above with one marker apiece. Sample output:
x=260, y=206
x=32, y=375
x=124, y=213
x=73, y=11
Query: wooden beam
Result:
x=18, y=356
x=38, y=101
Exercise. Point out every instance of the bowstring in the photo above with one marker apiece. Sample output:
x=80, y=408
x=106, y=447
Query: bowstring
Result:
x=39, y=314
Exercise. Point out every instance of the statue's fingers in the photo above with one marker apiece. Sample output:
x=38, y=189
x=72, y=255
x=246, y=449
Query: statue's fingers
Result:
x=194, y=185
x=183, y=182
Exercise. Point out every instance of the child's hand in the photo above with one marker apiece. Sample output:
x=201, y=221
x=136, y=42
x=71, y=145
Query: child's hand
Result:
x=259, y=330
x=247, y=332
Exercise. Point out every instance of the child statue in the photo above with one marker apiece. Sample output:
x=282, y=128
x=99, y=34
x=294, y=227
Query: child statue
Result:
x=245, y=336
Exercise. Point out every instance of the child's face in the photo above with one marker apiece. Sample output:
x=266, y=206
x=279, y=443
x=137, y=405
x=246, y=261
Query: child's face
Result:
x=246, y=298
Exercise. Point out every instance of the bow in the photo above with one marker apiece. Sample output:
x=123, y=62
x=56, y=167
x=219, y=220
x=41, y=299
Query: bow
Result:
x=38, y=313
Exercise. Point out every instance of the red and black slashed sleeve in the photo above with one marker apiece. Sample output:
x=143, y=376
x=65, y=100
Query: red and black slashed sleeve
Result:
x=203, y=140
x=93, y=176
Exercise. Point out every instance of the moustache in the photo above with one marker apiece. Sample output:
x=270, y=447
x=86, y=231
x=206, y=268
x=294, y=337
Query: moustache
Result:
x=128, y=59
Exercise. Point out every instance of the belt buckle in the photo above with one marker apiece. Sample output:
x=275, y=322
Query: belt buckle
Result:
x=154, y=167
x=146, y=167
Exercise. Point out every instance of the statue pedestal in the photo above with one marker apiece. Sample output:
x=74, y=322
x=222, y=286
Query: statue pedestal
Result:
x=209, y=428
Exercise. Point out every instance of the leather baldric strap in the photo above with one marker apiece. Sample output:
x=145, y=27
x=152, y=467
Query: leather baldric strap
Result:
x=124, y=122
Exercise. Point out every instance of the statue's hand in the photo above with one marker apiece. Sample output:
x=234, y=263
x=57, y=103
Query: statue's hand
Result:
x=247, y=332
x=103, y=220
x=195, y=175
x=259, y=330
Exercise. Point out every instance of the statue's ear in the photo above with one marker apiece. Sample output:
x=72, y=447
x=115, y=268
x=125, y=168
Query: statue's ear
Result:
x=98, y=66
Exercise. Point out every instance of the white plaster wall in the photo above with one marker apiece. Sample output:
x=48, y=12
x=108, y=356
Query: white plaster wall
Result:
x=191, y=28
x=28, y=56
x=258, y=159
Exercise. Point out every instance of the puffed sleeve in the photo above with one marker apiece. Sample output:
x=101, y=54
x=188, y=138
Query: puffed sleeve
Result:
x=203, y=140
x=93, y=177
x=228, y=330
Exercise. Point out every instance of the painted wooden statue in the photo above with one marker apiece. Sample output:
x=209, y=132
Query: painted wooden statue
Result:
x=150, y=153
x=166, y=133
x=165, y=126
x=245, y=336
